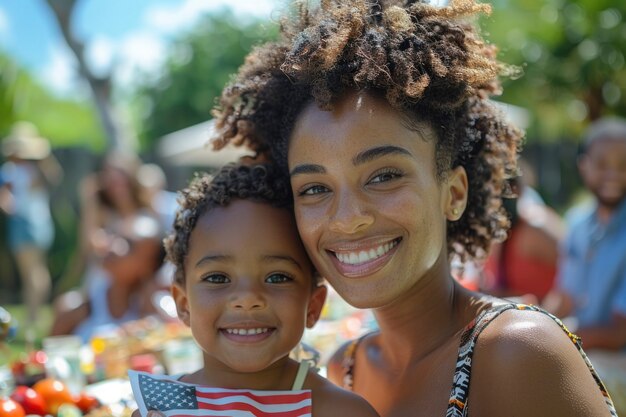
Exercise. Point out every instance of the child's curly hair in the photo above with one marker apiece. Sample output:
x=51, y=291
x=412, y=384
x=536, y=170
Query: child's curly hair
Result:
x=429, y=63
x=256, y=182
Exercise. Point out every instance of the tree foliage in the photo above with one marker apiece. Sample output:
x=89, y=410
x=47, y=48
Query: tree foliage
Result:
x=573, y=57
x=200, y=63
x=64, y=122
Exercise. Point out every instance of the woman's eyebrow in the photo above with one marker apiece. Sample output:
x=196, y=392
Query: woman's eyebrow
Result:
x=377, y=152
x=307, y=169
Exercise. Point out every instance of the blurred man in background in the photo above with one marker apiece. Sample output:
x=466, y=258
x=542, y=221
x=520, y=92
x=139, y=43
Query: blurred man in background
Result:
x=591, y=284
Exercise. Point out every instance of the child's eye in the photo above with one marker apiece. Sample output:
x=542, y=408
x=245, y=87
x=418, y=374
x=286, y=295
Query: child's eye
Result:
x=278, y=278
x=313, y=190
x=216, y=279
x=384, y=176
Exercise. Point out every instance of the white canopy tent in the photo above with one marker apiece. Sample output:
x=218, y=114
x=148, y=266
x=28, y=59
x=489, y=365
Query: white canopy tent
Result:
x=190, y=147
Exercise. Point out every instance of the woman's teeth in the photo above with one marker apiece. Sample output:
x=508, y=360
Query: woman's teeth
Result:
x=247, y=332
x=354, y=258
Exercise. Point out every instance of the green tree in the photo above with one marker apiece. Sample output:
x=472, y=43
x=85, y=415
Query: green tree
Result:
x=572, y=54
x=8, y=74
x=201, y=62
x=64, y=122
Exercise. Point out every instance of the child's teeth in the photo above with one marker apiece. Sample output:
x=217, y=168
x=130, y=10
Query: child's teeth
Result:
x=247, y=332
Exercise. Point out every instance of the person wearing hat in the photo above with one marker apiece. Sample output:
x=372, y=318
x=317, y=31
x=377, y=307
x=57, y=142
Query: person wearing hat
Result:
x=24, y=179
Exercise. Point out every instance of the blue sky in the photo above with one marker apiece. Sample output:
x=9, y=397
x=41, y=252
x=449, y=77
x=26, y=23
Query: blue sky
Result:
x=131, y=33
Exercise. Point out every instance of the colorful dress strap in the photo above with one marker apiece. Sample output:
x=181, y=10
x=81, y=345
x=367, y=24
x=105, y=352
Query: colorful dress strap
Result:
x=458, y=404
x=347, y=364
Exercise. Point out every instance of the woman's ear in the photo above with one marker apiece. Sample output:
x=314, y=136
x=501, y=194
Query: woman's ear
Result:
x=182, y=303
x=457, y=188
x=316, y=303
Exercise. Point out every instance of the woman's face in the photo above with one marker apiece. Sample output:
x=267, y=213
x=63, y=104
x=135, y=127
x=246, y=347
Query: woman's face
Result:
x=116, y=184
x=369, y=206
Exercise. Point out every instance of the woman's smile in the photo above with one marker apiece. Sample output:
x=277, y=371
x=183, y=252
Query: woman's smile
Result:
x=365, y=260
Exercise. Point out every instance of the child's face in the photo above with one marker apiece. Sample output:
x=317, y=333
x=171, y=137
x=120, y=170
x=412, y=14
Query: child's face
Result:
x=603, y=169
x=248, y=290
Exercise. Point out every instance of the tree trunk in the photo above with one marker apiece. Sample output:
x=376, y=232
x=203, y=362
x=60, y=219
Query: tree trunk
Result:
x=100, y=86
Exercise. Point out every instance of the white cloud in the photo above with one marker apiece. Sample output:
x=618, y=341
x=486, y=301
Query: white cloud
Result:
x=170, y=19
x=139, y=53
x=99, y=54
x=4, y=23
x=59, y=74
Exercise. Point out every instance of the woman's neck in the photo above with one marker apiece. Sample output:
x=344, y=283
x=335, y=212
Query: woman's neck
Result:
x=279, y=376
x=427, y=317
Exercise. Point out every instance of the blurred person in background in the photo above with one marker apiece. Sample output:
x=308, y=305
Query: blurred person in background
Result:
x=592, y=271
x=524, y=265
x=24, y=197
x=109, y=198
x=591, y=284
x=122, y=289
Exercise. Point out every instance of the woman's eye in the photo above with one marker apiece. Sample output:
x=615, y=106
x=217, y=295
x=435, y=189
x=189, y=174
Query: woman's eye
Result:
x=313, y=190
x=385, y=176
x=216, y=279
x=278, y=279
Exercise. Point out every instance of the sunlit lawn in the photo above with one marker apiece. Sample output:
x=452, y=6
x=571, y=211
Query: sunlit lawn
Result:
x=18, y=346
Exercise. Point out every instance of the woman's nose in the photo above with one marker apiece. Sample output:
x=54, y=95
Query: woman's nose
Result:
x=350, y=214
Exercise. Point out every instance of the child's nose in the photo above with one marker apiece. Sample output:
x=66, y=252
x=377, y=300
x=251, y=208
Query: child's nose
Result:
x=248, y=297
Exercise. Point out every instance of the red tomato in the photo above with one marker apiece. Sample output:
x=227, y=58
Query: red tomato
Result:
x=28, y=398
x=54, y=393
x=86, y=402
x=9, y=408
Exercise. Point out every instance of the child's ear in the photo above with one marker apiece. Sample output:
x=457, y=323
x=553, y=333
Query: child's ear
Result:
x=182, y=304
x=316, y=303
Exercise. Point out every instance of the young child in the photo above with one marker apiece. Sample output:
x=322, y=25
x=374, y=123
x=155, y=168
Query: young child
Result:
x=122, y=288
x=246, y=288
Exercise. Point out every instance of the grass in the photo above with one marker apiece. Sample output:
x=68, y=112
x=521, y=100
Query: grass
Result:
x=18, y=346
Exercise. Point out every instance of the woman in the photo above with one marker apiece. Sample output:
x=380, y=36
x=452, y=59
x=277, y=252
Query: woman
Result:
x=380, y=113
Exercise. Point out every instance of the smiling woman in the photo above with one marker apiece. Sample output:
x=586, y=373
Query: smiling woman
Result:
x=379, y=113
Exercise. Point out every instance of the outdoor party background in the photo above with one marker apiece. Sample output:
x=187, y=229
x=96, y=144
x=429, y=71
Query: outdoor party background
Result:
x=144, y=75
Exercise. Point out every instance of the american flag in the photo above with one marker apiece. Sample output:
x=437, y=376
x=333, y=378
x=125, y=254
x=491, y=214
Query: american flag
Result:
x=178, y=399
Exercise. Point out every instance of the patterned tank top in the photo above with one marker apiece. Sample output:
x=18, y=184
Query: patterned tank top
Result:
x=458, y=403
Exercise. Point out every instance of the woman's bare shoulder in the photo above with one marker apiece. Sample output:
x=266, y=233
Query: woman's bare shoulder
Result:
x=330, y=400
x=526, y=364
x=335, y=365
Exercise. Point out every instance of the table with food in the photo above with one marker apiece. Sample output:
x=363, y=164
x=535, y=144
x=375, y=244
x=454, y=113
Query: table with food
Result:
x=69, y=378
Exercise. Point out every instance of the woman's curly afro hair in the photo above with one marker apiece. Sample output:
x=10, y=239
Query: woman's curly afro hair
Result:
x=430, y=63
x=258, y=183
